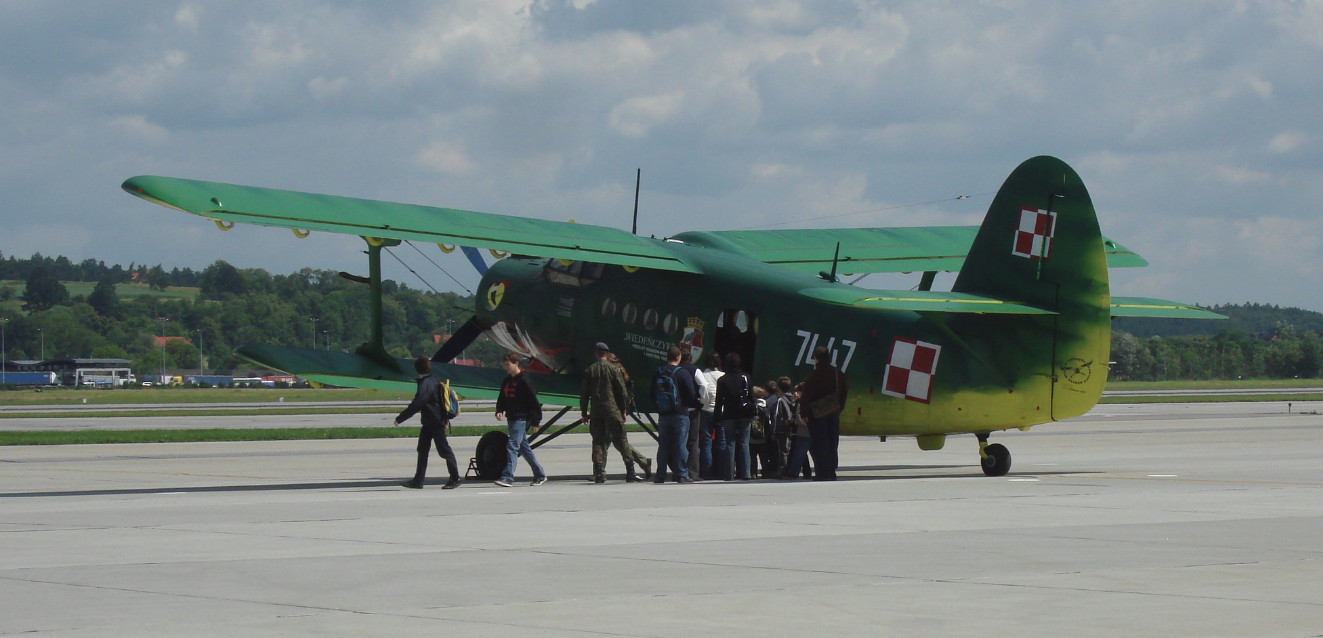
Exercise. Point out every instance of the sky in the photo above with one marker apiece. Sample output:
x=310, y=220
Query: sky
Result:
x=1196, y=126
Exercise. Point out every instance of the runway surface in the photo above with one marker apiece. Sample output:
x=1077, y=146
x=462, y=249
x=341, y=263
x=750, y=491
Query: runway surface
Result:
x=1135, y=520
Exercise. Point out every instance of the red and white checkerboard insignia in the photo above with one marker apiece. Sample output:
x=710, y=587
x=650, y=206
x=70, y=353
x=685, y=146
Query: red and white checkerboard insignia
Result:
x=1033, y=239
x=910, y=373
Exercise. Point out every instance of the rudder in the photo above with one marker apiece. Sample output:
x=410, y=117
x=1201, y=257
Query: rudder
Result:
x=1040, y=245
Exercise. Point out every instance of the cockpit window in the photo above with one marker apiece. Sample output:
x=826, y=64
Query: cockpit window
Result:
x=573, y=273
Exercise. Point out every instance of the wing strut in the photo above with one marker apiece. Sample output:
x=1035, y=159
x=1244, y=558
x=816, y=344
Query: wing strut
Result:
x=375, y=347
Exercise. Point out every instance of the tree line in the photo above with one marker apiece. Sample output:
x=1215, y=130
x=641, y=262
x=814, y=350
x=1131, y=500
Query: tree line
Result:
x=1256, y=341
x=225, y=306
x=222, y=306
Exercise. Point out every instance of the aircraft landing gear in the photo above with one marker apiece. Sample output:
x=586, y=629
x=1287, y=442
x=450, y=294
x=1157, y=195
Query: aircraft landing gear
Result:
x=995, y=458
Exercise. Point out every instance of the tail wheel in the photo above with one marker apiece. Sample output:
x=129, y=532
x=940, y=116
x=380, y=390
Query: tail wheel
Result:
x=491, y=455
x=996, y=460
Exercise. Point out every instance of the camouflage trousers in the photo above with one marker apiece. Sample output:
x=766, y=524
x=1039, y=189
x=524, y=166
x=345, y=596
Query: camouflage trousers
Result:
x=609, y=431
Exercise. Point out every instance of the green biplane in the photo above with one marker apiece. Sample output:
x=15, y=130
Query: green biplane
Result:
x=1021, y=339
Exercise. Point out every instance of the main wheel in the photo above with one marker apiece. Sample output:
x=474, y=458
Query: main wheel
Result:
x=996, y=460
x=491, y=454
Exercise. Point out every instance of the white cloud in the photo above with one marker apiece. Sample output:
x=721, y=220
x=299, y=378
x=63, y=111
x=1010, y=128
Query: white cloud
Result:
x=137, y=127
x=1284, y=244
x=739, y=114
x=445, y=158
x=636, y=116
x=1287, y=142
x=188, y=17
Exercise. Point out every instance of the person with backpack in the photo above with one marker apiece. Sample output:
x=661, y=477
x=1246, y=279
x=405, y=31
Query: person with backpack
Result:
x=799, y=438
x=734, y=410
x=518, y=402
x=784, y=417
x=672, y=392
x=761, y=437
x=437, y=404
x=711, y=440
x=695, y=408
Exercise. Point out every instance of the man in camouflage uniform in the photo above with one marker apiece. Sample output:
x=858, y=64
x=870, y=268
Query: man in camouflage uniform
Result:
x=604, y=387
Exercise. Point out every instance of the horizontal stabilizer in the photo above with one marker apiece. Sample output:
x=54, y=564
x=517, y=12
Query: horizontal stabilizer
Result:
x=1146, y=307
x=921, y=301
x=870, y=250
x=352, y=370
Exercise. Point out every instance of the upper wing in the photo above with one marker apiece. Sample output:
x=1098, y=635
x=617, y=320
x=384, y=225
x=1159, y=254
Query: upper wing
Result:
x=370, y=218
x=864, y=250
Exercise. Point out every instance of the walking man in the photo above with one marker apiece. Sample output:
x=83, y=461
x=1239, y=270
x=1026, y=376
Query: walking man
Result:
x=438, y=405
x=518, y=402
x=604, y=389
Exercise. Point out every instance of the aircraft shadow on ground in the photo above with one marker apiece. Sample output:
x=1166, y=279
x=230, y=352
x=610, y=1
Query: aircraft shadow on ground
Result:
x=910, y=472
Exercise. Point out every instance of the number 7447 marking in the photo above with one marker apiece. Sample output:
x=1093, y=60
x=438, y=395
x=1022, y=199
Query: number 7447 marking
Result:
x=810, y=342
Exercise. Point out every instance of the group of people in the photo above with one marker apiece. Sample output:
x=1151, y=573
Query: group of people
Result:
x=746, y=431
x=714, y=423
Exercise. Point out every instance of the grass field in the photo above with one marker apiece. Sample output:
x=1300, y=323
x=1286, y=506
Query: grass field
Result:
x=123, y=291
x=158, y=396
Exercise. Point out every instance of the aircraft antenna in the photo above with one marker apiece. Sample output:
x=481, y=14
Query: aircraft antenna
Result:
x=834, y=258
x=638, y=178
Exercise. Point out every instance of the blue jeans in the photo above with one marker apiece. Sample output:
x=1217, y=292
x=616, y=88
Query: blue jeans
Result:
x=672, y=445
x=706, y=425
x=799, y=449
x=737, y=448
x=518, y=446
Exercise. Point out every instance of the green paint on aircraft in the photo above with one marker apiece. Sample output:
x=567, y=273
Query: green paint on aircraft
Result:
x=1021, y=339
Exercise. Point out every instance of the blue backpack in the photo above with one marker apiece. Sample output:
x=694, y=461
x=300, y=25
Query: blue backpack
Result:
x=664, y=392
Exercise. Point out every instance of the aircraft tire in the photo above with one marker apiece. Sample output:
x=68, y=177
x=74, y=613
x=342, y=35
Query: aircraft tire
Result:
x=997, y=461
x=491, y=454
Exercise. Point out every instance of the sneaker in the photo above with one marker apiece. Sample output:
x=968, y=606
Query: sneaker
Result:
x=504, y=483
x=451, y=484
x=413, y=485
x=537, y=482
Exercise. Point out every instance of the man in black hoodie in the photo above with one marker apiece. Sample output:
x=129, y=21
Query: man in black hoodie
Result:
x=437, y=405
x=518, y=403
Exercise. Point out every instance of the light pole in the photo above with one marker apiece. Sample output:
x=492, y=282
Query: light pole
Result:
x=199, y=357
x=3, y=321
x=326, y=336
x=43, y=343
x=161, y=379
x=314, y=332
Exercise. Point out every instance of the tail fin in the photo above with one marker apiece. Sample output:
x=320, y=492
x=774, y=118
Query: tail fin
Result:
x=1040, y=245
